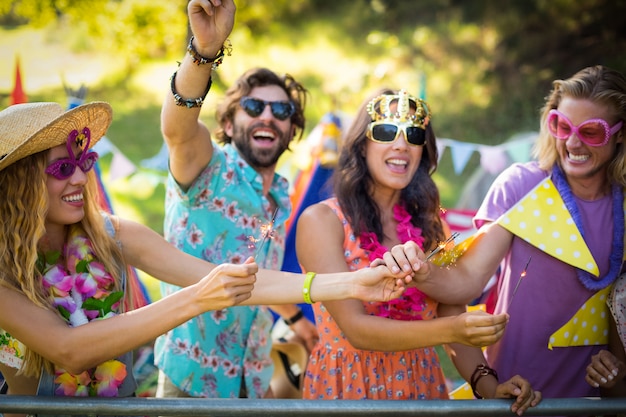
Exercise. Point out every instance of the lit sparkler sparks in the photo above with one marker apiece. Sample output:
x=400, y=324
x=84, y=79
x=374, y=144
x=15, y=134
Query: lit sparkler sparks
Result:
x=267, y=231
x=442, y=245
x=522, y=275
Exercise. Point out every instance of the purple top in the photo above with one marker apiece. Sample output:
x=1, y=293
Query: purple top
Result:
x=547, y=297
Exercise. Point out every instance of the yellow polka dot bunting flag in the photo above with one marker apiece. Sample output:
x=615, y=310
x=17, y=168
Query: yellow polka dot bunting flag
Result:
x=588, y=327
x=542, y=219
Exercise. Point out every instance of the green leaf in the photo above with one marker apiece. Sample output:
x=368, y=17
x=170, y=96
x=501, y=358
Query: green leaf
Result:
x=52, y=257
x=113, y=298
x=103, y=305
x=93, y=304
x=82, y=266
x=64, y=312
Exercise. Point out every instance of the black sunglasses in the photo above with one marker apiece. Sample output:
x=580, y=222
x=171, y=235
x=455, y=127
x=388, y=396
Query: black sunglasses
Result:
x=387, y=132
x=282, y=110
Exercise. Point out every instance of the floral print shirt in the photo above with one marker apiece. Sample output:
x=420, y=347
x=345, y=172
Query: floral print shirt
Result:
x=218, y=219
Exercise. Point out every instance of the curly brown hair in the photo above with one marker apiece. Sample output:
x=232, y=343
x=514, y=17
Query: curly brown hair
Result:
x=259, y=77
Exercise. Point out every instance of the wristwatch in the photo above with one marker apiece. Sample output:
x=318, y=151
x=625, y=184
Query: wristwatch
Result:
x=294, y=318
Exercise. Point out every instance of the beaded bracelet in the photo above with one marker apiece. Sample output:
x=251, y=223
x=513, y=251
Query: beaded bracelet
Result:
x=306, y=289
x=188, y=102
x=481, y=371
x=215, y=62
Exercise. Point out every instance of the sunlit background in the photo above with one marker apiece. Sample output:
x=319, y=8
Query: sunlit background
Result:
x=483, y=66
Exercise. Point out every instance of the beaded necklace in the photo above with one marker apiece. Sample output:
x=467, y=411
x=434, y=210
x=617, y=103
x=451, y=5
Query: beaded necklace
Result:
x=617, y=252
x=412, y=299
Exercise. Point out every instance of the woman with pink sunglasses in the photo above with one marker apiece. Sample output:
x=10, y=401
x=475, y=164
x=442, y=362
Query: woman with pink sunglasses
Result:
x=565, y=212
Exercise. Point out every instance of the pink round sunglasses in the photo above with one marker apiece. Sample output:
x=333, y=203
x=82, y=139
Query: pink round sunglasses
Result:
x=593, y=132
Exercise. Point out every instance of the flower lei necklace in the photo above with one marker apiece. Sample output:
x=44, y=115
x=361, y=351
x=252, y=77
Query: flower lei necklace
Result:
x=617, y=251
x=412, y=299
x=83, y=291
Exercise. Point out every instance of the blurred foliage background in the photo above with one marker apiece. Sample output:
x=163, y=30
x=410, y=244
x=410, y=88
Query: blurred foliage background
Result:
x=484, y=66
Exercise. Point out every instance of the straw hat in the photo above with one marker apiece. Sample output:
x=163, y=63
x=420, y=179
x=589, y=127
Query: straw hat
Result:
x=28, y=128
x=290, y=358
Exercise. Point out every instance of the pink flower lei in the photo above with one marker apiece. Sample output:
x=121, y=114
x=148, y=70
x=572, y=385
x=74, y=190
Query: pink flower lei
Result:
x=413, y=299
x=83, y=291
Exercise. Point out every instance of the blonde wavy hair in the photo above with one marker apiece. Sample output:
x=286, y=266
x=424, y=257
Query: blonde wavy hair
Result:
x=598, y=84
x=23, y=210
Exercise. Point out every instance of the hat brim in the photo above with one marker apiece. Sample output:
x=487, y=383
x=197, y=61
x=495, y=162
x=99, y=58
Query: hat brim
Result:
x=97, y=116
x=281, y=384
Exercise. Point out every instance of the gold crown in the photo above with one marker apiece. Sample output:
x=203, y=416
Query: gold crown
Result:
x=379, y=111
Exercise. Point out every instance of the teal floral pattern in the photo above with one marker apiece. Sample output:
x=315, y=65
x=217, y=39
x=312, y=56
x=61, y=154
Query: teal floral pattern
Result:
x=220, y=218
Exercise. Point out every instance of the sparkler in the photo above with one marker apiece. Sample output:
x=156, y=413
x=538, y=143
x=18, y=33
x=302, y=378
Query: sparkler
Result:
x=442, y=245
x=266, y=231
x=522, y=275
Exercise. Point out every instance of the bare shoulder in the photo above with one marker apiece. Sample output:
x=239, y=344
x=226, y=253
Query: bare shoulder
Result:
x=319, y=224
x=316, y=213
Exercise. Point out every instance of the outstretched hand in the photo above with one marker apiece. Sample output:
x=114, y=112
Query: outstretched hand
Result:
x=211, y=22
x=478, y=329
x=227, y=285
x=520, y=389
x=378, y=284
x=407, y=259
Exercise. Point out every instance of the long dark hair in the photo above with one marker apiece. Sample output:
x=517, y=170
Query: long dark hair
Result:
x=352, y=183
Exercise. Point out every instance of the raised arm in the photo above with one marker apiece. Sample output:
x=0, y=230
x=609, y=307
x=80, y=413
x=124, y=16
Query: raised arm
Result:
x=188, y=139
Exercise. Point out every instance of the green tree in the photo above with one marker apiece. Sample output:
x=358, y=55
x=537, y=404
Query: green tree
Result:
x=133, y=30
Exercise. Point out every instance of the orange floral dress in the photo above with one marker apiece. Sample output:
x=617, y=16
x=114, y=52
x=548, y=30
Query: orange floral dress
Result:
x=336, y=370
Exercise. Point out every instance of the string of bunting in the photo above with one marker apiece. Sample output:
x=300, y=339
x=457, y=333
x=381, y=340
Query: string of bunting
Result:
x=493, y=158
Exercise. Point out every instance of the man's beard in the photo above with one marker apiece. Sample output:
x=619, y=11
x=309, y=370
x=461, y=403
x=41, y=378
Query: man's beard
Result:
x=259, y=158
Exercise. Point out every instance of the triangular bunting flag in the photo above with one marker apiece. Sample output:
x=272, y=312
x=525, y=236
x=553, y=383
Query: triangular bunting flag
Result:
x=441, y=147
x=588, y=327
x=519, y=151
x=493, y=159
x=18, y=96
x=461, y=153
x=542, y=219
x=121, y=166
